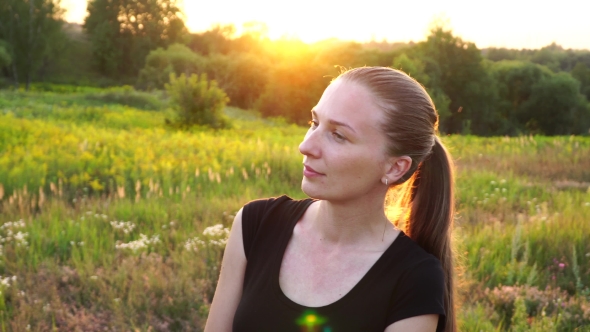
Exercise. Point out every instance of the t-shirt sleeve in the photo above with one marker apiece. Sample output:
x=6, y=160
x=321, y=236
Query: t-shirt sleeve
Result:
x=420, y=292
x=252, y=215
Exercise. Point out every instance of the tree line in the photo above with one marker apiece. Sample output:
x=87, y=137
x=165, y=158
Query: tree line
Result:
x=494, y=91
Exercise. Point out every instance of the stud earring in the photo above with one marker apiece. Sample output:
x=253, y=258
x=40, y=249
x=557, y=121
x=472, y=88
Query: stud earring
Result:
x=386, y=182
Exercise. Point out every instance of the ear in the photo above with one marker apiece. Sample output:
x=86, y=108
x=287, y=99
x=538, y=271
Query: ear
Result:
x=397, y=167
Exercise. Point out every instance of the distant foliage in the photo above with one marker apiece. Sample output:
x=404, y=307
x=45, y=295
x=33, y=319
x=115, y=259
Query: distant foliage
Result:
x=33, y=31
x=160, y=63
x=5, y=58
x=123, y=32
x=197, y=101
x=128, y=96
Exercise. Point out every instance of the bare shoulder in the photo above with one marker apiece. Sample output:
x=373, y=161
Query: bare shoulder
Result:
x=229, y=288
x=423, y=323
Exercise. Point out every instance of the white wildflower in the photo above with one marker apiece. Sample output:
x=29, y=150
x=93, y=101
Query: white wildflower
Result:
x=194, y=244
x=20, y=239
x=125, y=226
x=6, y=282
x=94, y=277
x=142, y=243
x=216, y=231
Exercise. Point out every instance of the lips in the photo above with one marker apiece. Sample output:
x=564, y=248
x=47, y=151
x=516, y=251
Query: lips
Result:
x=310, y=172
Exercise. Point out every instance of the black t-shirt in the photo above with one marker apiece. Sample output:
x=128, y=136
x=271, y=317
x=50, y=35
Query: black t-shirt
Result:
x=405, y=281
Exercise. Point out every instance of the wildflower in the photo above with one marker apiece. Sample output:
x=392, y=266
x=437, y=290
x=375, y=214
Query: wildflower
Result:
x=126, y=227
x=117, y=300
x=142, y=243
x=194, y=244
x=6, y=282
x=20, y=240
x=216, y=231
x=492, y=182
x=561, y=266
x=94, y=277
x=587, y=204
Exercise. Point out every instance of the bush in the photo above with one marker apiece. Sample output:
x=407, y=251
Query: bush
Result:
x=197, y=101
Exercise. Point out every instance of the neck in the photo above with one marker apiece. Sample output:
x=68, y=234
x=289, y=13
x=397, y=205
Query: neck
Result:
x=352, y=223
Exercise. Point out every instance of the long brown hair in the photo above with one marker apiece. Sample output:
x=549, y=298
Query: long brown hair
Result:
x=411, y=126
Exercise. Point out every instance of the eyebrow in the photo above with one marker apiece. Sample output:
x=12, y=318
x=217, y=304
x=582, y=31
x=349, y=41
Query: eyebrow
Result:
x=334, y=122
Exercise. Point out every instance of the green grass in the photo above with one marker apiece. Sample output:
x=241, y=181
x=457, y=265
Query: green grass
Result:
x=71, y=167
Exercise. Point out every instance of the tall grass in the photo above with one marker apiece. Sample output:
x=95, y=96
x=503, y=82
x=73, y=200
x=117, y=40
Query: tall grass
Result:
x=105, y=214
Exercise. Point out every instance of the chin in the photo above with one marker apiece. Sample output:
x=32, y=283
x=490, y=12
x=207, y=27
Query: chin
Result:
x=312, y=190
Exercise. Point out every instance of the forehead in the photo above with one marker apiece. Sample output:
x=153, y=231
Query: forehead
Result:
x=351, y=103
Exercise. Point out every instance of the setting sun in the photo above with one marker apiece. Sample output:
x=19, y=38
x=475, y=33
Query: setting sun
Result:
x=505, y=23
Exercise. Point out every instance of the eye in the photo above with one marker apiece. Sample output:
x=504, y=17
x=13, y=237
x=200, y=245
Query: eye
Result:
x=338, y=137
x=313, y=123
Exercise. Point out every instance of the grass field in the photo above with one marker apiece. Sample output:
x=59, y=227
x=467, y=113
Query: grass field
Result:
x=110, y=221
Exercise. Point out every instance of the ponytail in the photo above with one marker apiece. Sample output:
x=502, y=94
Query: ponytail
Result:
x=429, y=195
x=425, y=194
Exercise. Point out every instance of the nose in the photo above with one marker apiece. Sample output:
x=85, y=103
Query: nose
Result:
x=309, y=146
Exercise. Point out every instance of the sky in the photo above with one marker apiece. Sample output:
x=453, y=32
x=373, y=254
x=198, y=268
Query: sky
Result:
x=500, y=23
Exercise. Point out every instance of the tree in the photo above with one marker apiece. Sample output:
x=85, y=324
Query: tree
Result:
x=30, y=27
x=160, y=63
x=243, y=76
x=5, y=58
x=295, y=86
x=457, y=68
x=415, y=68
x=123, y=32
x=533, y=99
x=553, y=105
x=515, y=81
x=581, y=72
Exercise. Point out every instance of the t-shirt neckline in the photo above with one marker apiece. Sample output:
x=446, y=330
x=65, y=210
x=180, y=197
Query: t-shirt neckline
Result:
x=281, y=252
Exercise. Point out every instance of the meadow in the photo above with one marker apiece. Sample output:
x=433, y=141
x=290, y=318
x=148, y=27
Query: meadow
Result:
x=110, y=220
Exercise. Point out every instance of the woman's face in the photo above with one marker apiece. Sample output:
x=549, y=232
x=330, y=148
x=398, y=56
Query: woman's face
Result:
x=344, y=149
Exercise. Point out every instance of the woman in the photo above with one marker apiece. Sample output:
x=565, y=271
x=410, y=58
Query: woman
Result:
x=335, y=262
